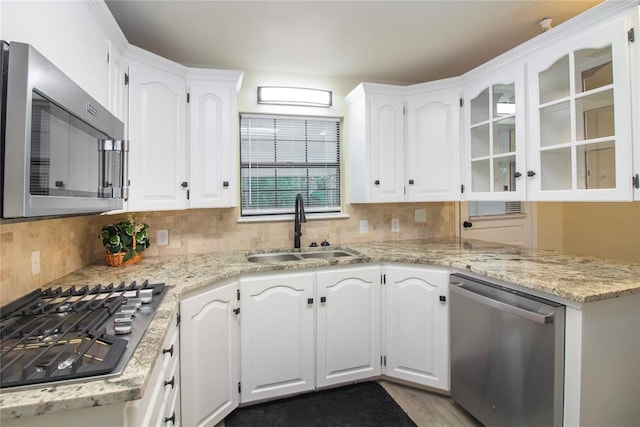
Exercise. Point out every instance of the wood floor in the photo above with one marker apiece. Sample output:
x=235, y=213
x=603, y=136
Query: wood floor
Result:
x=429, y=409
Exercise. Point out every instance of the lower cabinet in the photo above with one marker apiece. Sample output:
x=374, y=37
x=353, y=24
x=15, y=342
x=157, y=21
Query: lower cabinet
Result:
x=348, y=325
x=277, y=335
x=160, y=404
x=210, y=352
x=417, y=325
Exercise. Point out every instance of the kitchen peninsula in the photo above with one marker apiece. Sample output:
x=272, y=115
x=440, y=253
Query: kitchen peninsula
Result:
x=602, y=299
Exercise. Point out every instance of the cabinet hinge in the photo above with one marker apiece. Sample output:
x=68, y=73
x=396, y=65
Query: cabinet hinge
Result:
x=383, y=279
x=404, y=111
x=236, y=311
x=188, y=97
x=385, y=360
x=188, y=194
x=178, y=319
x=461, y=102
x=462, y=188
x=238, y=294
x=636, y=181
x=108, y=58
x=126, y=79
x=380, y=360
x=631, y=35
x=239, y=387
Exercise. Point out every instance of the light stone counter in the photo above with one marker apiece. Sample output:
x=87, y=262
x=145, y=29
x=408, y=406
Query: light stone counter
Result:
x=580, y=280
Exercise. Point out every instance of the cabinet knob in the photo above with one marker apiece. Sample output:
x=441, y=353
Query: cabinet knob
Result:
x=225, y=184
x=184, y=184
x=530, y=173
x=467, y=224
x=171, y=383
x=410, y=182
x=168, y=350
x=443, y=298
x=517, y=175
x=309, y=301
x=376, y=182
x=172, y=418
x=323, y=299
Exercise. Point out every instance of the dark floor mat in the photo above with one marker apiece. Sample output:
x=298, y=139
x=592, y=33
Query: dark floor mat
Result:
x=364, y=404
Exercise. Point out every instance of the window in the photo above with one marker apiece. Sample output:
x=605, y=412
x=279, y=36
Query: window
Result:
x=495, y=208
x=281, y=156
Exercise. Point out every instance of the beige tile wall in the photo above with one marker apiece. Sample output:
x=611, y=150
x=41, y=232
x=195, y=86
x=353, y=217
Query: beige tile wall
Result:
x=67, y=244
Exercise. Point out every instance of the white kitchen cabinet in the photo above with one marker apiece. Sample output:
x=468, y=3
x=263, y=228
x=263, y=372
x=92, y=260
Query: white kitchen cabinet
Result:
x=210, y=354
x=417, y=325
x=433, y=145
x=213, y=138
x=160, y=404
x=277, y=335
x=170, y=168
x=404, y=143
x=117, y=92
x=494, y=126
x=157, y=134
x=580, y=117
x=348, y=324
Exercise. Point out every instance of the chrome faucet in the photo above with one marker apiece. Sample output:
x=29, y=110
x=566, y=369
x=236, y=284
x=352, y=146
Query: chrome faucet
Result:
x=299, y=218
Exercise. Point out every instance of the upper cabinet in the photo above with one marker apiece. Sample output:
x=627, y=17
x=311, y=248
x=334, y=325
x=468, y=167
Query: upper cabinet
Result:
x=494, y=126
x=213, y=138
x=580, y=139
x=157, y=139
x=403, y=143
x=183, y=135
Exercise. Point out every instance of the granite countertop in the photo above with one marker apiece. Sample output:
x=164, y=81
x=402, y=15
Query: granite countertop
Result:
x=579, y=280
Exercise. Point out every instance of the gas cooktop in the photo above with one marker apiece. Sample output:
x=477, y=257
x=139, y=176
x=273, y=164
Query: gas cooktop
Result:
x=55, y=336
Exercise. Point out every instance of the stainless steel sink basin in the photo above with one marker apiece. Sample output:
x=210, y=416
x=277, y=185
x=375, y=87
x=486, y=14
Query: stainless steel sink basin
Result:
x=276, y=257
x=327, y=254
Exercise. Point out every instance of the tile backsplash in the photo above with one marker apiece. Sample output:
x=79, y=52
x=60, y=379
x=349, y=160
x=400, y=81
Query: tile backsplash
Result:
x=67, y=244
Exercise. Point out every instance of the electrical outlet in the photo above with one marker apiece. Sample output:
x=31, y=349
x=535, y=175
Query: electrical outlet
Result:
x=364, y=226
x=420, y=215
x=395, y=225
x=163, y=238
x=35, y=262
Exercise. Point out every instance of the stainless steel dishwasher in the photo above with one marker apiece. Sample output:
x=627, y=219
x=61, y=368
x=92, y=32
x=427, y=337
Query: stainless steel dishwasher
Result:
x=507, y=354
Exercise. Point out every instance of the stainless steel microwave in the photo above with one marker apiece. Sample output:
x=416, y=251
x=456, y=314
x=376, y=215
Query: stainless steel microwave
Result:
x=63, y=153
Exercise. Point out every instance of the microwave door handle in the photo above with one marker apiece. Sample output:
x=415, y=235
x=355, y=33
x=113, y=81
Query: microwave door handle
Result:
x=125, y=168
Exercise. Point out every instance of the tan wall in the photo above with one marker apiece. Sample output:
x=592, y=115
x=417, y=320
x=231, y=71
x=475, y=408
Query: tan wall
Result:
x=609, y=230
x=68, y=244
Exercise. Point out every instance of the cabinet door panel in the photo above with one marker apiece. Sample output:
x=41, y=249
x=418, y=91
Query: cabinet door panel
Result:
x=209, y=349
x=156, y=140
x=433, y=147
x=277, y=335
x=348, y=325
x=417, y=325
x=580, y=122
x=387, y=148
x=213, y=151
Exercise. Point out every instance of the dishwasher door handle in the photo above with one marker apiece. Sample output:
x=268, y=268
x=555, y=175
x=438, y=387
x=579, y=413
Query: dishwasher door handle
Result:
x=520, y=312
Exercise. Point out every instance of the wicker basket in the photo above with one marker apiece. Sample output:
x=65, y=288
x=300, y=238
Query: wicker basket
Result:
x=115, y=260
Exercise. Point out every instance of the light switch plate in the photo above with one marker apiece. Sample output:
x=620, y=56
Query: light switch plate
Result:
x=364, y=226
x=420, y=215
x=395, y=225
x=35, y=262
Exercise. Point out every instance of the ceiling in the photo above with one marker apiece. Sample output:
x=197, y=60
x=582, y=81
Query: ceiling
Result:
x=377, y=41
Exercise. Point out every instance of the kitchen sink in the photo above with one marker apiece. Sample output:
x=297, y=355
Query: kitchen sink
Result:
x=326, y=254
x=276, y=257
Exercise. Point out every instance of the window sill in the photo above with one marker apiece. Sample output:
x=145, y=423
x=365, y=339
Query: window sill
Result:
x=282, y=218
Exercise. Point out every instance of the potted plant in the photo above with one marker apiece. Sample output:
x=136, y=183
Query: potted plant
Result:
x=125, y=241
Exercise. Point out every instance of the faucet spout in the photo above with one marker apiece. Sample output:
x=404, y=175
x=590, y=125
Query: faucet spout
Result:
x=299, y=218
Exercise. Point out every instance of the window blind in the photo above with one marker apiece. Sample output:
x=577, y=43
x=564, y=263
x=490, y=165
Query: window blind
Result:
x=495, y=208
x=281, y=156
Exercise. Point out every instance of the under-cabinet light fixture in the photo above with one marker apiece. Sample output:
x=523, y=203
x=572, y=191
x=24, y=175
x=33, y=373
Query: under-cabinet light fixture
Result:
x=298, y=96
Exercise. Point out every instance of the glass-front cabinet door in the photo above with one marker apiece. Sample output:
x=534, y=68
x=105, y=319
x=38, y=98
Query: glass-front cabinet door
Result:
x=580, y=119
x=494, y=136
